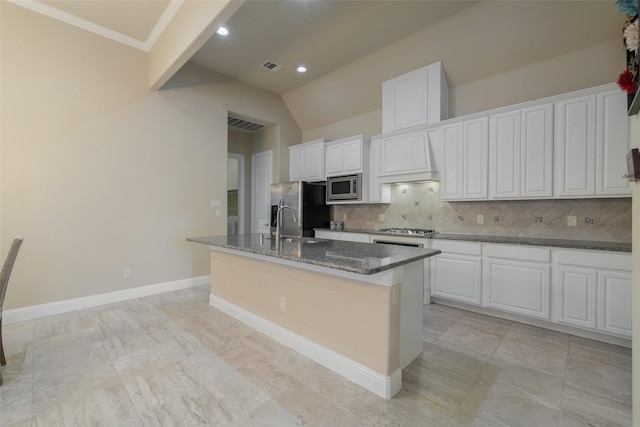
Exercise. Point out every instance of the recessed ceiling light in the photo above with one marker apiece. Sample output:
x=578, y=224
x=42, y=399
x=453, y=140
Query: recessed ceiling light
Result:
x=301, y=69
x=223, y=31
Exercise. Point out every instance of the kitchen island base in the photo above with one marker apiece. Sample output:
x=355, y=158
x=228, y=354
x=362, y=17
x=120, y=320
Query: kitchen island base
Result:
x=366, y=328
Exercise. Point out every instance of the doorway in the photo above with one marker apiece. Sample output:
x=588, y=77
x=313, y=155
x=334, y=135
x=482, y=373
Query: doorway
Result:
x=235, y=194
x=261, y=173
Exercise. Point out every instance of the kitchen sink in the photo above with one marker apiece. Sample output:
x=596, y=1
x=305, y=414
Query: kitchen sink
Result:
x=303, y=240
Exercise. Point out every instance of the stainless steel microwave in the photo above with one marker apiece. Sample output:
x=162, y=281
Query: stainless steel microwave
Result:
x=344, y=188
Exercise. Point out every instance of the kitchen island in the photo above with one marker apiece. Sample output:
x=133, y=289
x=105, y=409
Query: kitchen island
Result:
x=355, y=308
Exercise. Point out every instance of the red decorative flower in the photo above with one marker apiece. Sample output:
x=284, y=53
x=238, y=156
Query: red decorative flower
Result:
x=627, y=82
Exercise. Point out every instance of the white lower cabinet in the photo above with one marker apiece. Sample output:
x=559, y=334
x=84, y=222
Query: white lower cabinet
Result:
x=592, y=289
x=517, y=279
x=581, y=288
x=574, y=295
x=614, y=302
x=456, y=273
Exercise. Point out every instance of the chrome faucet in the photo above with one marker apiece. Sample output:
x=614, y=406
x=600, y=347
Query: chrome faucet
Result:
x=281, y=207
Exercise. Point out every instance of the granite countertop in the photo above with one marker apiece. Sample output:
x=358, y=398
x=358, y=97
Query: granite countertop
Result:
x=532, y=241
x=361, y=258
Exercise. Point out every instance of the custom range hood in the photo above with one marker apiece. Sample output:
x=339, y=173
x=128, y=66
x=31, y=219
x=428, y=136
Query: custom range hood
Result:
x=409, y=157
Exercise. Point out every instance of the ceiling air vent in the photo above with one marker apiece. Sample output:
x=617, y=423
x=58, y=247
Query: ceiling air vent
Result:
x=271, y=66
x=243, y=124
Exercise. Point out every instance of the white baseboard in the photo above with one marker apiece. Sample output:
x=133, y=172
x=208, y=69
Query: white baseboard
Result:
x=373, y=381
x=42, y=310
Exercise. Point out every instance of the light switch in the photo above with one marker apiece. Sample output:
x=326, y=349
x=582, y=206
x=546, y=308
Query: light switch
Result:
x=216, y=203
x=572, y=221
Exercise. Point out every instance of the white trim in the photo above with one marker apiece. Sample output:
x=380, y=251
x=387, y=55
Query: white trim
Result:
x=68, y=18
x=41, y=310
x=162, y=23
x=384, y=386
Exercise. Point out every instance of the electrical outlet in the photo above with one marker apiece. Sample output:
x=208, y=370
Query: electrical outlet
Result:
x=537, y=220
x=589, y=220
x=480, y=219
x=126, y=273
x=381, y=217
x=218, y=213
x=572, y=221
x=283, y=303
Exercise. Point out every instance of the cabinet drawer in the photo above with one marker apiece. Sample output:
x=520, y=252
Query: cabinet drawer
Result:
x=594, y=259
x=523, y=253
x=465, y=248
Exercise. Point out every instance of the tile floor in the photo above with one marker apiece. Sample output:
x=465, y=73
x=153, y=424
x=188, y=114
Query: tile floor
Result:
x=172, y=360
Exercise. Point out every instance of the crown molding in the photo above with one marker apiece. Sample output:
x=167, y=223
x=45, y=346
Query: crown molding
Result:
x=70, y=19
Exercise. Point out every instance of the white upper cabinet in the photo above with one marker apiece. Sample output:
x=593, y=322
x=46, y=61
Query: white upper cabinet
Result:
x=452, y=156
x=520, y=153
x=306, y=161
x=575, y=146
x=591, y=144
x=612, y=143
x=536, y=171
x=476, y=158
x=465, y=163
x=504, y=155
x=296, y=163
x=346, y=156
x=417, y=98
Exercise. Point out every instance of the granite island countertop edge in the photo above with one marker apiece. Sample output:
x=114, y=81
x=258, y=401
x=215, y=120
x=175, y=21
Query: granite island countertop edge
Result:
x=338, y=263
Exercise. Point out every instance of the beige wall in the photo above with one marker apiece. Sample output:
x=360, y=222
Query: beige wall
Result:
x=99, y=172
x=349, y=100
x=352, y=318
x=598, y=64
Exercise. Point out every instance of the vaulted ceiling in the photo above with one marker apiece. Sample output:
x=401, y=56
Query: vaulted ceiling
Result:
x=326, y=35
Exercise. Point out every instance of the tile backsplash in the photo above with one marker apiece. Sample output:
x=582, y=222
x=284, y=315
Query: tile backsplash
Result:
x=419, y=206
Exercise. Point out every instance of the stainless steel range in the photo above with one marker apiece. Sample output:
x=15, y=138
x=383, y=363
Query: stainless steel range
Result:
x=407, y=231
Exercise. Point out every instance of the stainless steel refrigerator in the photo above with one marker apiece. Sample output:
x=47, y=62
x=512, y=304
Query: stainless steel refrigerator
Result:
x=308, y=201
